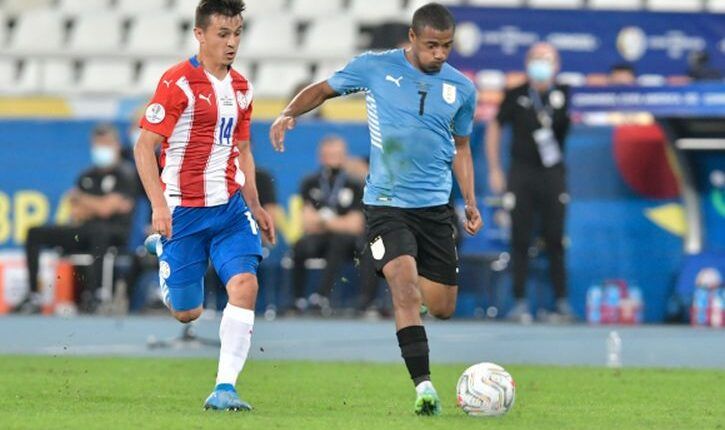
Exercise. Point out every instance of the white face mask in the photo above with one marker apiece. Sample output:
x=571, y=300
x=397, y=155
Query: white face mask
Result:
x=103, y=156
x=540, y=70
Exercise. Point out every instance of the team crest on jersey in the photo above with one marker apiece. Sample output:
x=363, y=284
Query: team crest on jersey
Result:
x=449, y=93
x=377, y=247
x=155, y=113
x=242, y=100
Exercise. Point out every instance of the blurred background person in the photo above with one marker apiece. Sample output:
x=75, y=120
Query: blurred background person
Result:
x=700, y=68
x=622, y=74
x=333, y=225
x=102, y=202
x=536, y=186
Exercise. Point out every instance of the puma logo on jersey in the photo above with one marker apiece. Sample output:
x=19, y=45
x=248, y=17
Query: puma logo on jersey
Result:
x=206, y=98
x=167, y=82
x=393, y=80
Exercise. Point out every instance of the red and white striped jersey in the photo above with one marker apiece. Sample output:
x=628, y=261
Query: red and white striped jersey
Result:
x=201, y=118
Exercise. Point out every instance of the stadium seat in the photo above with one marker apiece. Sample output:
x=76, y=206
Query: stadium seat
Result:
x=277, y=79
x=331, y=37
x=133, y=7
x=106, y=76
x=28, y=81
x=716, y=6
x=150, y=75
x=311, y=9
x=8, y=73
x=265, y=8
x=270, y=36
x=71, y=7
x=18, y=6
x=415, y=4
x=674, y=5
x=154, y=34
x=245, y=67
x=556, y=4
x=377, y=11
x=615, y=4
x=57, y=76
x=496, y=3
x=4, y=30
x=27, y=38
x=325, y=69
x=96, y=32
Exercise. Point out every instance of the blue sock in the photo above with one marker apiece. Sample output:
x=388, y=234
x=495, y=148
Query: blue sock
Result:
x=225, y=387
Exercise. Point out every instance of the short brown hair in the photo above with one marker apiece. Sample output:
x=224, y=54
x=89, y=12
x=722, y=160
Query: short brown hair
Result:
x=207, y=8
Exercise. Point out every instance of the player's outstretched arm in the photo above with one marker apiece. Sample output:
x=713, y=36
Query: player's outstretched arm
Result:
x=463, y=169
x=144, y=152
x=251, y=195
x=306, y=100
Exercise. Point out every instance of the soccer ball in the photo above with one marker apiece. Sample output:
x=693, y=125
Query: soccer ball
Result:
x=486, y=389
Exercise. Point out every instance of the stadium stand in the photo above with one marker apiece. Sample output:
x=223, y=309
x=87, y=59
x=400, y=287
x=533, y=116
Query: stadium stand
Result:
x=106, y=76
x=71, y=7
x=376, y=11
x=319, y=41
x=556, y=4
x=56, y=76
x=497, y=3
x=291, y=31
x=674, y=5
x=133, y=7
x=716, y=6
x=277, y=78
x=95, y=33
x=154, y=35
x=312, y=9
x=271, y=36
x=615, y=4
x=25, y=38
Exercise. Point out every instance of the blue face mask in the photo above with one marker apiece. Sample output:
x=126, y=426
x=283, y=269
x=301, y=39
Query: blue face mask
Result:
x=540, y=70
x=103, y=156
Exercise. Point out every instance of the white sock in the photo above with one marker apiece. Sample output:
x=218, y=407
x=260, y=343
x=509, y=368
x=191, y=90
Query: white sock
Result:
x=235, y=333
x=423, y=386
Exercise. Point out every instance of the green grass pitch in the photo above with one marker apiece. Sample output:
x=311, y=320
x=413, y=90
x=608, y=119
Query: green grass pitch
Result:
x=66, y=392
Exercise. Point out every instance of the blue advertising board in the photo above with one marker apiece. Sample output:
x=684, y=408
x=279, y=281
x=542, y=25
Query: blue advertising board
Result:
x=589, y=41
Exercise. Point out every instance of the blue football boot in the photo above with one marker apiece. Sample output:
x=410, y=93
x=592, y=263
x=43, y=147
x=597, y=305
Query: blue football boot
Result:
x=225, y=398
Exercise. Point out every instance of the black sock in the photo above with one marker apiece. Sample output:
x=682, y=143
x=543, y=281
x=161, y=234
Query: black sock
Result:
x=414, y=349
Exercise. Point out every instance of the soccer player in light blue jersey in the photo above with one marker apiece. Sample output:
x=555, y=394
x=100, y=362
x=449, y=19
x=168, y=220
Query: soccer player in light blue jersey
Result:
x=420, y=117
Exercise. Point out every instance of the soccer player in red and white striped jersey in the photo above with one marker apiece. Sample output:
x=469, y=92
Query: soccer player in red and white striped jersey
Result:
x=200, y=115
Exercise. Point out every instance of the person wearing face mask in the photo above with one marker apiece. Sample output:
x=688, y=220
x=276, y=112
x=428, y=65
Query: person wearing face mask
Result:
x=101, y=205
x=536, y=185
x=333, y=225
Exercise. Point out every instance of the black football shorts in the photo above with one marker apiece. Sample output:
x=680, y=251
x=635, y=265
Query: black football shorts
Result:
x=426, y=234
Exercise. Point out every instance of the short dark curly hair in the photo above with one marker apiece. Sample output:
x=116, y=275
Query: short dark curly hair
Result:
x=433, y=15
x=207, y=8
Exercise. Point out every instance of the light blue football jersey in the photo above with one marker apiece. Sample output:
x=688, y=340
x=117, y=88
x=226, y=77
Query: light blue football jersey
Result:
x=412, y=117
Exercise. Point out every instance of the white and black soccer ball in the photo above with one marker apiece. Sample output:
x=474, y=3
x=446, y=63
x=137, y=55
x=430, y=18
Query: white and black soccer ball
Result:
x=486, y=389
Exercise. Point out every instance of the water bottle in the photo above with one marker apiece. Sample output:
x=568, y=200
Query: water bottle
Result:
x=610, y=311
x=716, y=317
x=594, y=305
x=614, y=350
x=700, y=302
x=635, y=295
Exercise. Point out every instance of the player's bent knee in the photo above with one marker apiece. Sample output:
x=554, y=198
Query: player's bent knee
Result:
x=242, y=290
x=442, y=314
x=187, y=316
